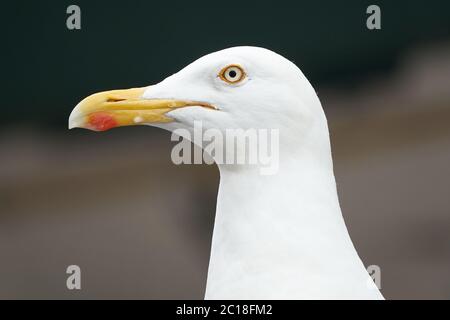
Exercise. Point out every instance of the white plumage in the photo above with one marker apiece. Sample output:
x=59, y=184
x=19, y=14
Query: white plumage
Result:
x=279, y=236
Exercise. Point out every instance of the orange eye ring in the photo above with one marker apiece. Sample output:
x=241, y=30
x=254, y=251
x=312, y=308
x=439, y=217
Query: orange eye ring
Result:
x=232, y=74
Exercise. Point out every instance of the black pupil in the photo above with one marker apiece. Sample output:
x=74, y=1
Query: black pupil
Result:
x=232, y=74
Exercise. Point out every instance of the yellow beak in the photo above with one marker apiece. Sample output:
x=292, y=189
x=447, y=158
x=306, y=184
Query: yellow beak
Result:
x=117, y=108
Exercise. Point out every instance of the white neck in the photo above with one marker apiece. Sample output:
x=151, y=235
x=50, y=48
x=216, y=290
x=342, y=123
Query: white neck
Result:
x=283, y=236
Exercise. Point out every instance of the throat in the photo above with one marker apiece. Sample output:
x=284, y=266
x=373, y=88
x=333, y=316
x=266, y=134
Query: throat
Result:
x=280, y=236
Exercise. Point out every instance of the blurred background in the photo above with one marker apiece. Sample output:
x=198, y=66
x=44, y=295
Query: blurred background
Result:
x=138, y=225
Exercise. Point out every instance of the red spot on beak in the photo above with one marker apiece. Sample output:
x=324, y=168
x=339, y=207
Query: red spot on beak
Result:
x=102, y=121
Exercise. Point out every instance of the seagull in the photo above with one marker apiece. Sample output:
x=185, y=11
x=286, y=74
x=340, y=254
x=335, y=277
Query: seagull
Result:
x=276, y=236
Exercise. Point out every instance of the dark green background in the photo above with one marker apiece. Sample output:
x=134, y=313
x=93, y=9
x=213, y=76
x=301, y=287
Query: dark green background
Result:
x=47, y=68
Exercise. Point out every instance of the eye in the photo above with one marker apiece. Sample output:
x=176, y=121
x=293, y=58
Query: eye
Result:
x=232, y=74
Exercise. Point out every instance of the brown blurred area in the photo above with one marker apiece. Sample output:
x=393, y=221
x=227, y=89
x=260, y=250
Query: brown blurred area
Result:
x=140, y=227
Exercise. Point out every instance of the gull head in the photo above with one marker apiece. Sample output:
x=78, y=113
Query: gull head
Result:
x=239, y=87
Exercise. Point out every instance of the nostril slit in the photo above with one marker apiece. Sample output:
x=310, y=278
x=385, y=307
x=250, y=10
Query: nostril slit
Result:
x=114, y=100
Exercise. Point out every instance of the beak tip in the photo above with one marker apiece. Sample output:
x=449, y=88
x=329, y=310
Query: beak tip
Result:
x=71, y=123
x=74, y=118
